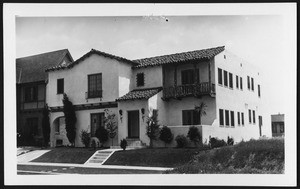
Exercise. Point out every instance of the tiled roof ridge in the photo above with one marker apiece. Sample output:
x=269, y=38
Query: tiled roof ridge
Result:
x=30, y=56
x=178, y=53
x=144, y=93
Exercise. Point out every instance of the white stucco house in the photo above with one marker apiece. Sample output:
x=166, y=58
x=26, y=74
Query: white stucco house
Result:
x=171, y=84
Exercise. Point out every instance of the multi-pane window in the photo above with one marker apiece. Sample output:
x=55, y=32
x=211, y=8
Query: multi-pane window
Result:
x=140, y=79
x=97, y=120
x=252, y=84
x=249, y=112
x=260, y=120
x=95, y=85
x=237, y=81
x=253, y=116
x=227, y=117
x=241, y=83
x=221, y=115
x=60, y=86
x=220, y=76
x=242, y=115
x=190, y=117
x=248, y=81
x=274, y=129
x=281, y=127
x=239, y=120
x=31, y=94
x=189, y=76
x=258, y=89
x=230, y=80
x=225, y=78
x=232, y=118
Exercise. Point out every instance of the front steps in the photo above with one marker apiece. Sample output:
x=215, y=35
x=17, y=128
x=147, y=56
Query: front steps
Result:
x=99, y=157
x=132, y=143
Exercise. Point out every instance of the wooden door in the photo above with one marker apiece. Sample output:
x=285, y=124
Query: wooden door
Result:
x=133, y=124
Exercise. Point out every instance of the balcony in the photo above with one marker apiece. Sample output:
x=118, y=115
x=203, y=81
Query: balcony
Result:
x=94, y=94
x=196, y=90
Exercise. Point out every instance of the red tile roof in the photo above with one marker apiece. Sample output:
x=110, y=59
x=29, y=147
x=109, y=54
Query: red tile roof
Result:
x=140, y=94
x=93, y=51
x=32, y=68
x=179, y=57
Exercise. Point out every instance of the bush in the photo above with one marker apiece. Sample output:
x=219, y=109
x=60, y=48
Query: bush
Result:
x=85, y=138
x=95, y=142
x=102, y=135
x=230, y=141
x=215, y=142
x=182, y=141
x=166, y=135
x=194, y=134
x=123, y=144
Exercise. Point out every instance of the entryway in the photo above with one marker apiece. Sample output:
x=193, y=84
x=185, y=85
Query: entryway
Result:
x=133, y=124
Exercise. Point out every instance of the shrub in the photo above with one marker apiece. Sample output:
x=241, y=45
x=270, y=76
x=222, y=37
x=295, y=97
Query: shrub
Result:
x=215, y=142
x=230, y=141
x=85, y=138
x=70, y=119
x=194, y=134
x=46, y=126
x=111, y=125
x=181, y=141
x=102, y=135
x=166, y=135
x=123, y=144
x=152, y=127
x=95, y=142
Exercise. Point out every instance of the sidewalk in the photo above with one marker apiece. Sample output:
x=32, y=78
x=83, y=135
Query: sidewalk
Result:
x=29, y=156
x=100, y=166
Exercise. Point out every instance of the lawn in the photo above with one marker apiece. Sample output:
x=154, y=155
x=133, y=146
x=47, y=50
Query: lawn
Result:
x=265, y=156
x=156, y=157
x=66, y=155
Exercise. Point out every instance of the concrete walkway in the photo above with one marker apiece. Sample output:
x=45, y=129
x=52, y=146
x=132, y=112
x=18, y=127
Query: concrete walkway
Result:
x=99, y=166
x=29, y=156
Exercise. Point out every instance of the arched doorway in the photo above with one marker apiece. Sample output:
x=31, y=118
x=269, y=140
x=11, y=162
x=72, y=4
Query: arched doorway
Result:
x=59, y=132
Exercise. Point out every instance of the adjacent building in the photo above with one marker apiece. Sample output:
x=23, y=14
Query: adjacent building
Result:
x=277, y=125
x=31, y=81
x=170, y=86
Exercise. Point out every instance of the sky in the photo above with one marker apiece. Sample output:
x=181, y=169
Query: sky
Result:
x=257, y=39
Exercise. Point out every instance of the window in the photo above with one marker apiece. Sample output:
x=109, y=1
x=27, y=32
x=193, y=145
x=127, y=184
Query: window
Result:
x=32, y=125
x=252, y=84
x=237, y=81
x=232, y=118
x=60, y=86
x=230, y=80
x=239, y=120
x=242, y=115
x=57, y=127
x=31, y=94
x=260, y=120
x=155, y=112
x=248, y=79
x=241, y=83
x=274, y=129
x=225, y=78
x=221, y=115
x=220, y=76
x=190, y=117
x=140, y=79
x=258, y=89
x=253, y=116
x=249, y=111
x=227, y=117
x=95, y=85
x=281, y=128
x=97, y=120
x=188, y=76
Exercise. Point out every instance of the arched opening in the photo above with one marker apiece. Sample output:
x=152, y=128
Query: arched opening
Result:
x=59, y=130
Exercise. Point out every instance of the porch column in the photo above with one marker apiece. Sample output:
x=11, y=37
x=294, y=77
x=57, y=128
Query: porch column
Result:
x=209, y=77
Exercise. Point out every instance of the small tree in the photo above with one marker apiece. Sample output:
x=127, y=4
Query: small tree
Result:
x=194, y=135
x=123, y=144
x=111, y=125
x=201, y=109
x=166, y=135
x=181, y=140
x=85, y=138
x=46, y=126
x=70, y=119
x=102, y=135
x=152, y=128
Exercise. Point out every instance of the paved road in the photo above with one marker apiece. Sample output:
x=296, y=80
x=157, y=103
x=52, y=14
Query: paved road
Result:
x=47, y=170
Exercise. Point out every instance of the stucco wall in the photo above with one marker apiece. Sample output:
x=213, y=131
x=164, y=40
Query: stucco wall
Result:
x=152, y=77
x=238, y=100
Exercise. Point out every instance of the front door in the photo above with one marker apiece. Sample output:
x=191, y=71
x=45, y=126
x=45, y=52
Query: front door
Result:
x=133, y=124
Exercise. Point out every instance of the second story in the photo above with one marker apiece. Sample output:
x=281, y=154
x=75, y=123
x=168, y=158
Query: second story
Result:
x=31, y=77
x=96, y=77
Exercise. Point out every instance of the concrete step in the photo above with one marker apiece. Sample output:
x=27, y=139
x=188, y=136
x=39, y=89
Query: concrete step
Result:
x=95, y=161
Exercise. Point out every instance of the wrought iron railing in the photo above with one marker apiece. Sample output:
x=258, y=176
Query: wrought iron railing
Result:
x=94, y=94
x=196, y=90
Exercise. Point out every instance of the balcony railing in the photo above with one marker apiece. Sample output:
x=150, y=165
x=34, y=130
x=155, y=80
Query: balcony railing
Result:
x=196, y=90
x=94, y=94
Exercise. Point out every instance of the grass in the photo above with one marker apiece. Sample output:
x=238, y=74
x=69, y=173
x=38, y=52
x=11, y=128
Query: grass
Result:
x=265, y=156
x=66, y=155
x=156, y=157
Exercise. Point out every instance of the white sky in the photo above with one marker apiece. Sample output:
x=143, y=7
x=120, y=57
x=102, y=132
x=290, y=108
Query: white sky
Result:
x=257, y=39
